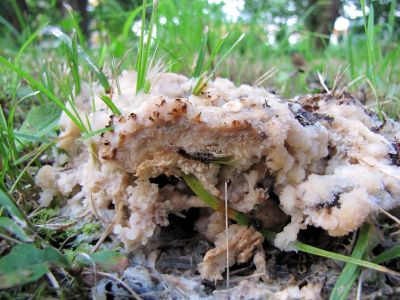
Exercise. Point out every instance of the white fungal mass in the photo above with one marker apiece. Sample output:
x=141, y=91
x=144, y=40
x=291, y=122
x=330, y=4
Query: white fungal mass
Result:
x=330, y=162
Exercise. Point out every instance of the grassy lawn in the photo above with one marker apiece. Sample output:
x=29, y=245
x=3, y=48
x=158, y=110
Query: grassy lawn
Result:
x=47, y=59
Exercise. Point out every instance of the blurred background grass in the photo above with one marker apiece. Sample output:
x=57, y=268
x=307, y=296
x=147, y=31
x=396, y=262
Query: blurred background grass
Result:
x=292, y=39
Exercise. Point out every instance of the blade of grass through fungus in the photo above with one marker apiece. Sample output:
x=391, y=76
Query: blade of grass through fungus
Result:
x=206, y=74
x=142, y=62
x=6, y=152
x=94, y=133
x=196, y=186
x=111, y=105
x=71, y=48
x=388, y=255
x=18, y=13
x=75, y=24
x=372, y=47
x=366, y=240
x=120, y=44
x=201, y=55
x=70, y=45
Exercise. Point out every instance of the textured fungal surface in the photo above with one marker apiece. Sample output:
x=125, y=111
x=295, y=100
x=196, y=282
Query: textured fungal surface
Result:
x=322, y=160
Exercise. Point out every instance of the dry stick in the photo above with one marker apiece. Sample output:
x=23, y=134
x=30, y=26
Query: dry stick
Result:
x=227, y=237
x=109, y=227
x=389, y=215
x=115, y=75
x=195, y=185
x=103, y=237
x=94, y=208
x=10, y=239
x=359, y=286
x=53, y=282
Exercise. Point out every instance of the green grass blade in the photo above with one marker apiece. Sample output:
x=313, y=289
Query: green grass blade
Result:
x=145, y=62
x=140, y=56
x=340, y=257
x=387, y=255
x=9, y=26
x=37, y=85
x=142, y=63
x=202, y=53
x=214, y=52
x=75, y=24
x=196, y=186
x=203, y=80
x=110, y=104
x=129, y=21
x=72, y=56
x=94, y=133
x=18, y=13
x=11, y=206
x=99, y=73
x=391, y=18
x=350, y=272
x=226, y=54
x=12, y=227
x=28, y=41
x=86, y=59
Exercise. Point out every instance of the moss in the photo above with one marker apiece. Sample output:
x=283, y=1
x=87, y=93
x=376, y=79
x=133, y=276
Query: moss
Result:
x=91, y=228
x=45, y=215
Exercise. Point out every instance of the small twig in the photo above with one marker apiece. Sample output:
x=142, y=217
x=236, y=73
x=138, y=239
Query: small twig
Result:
x=94, y=208
x=338, y=76
x=372, y=164
x=116, y=70
x=322, y=82
x=267, y=75
x=389, y=215
x=56, y=226
x=10, y=239
x=66, y=240
x=227, y=238
x=60, y=226
x=36, y=212
x=359, y=287
x=118, y=213
x=103, y=237
x=53, y=282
